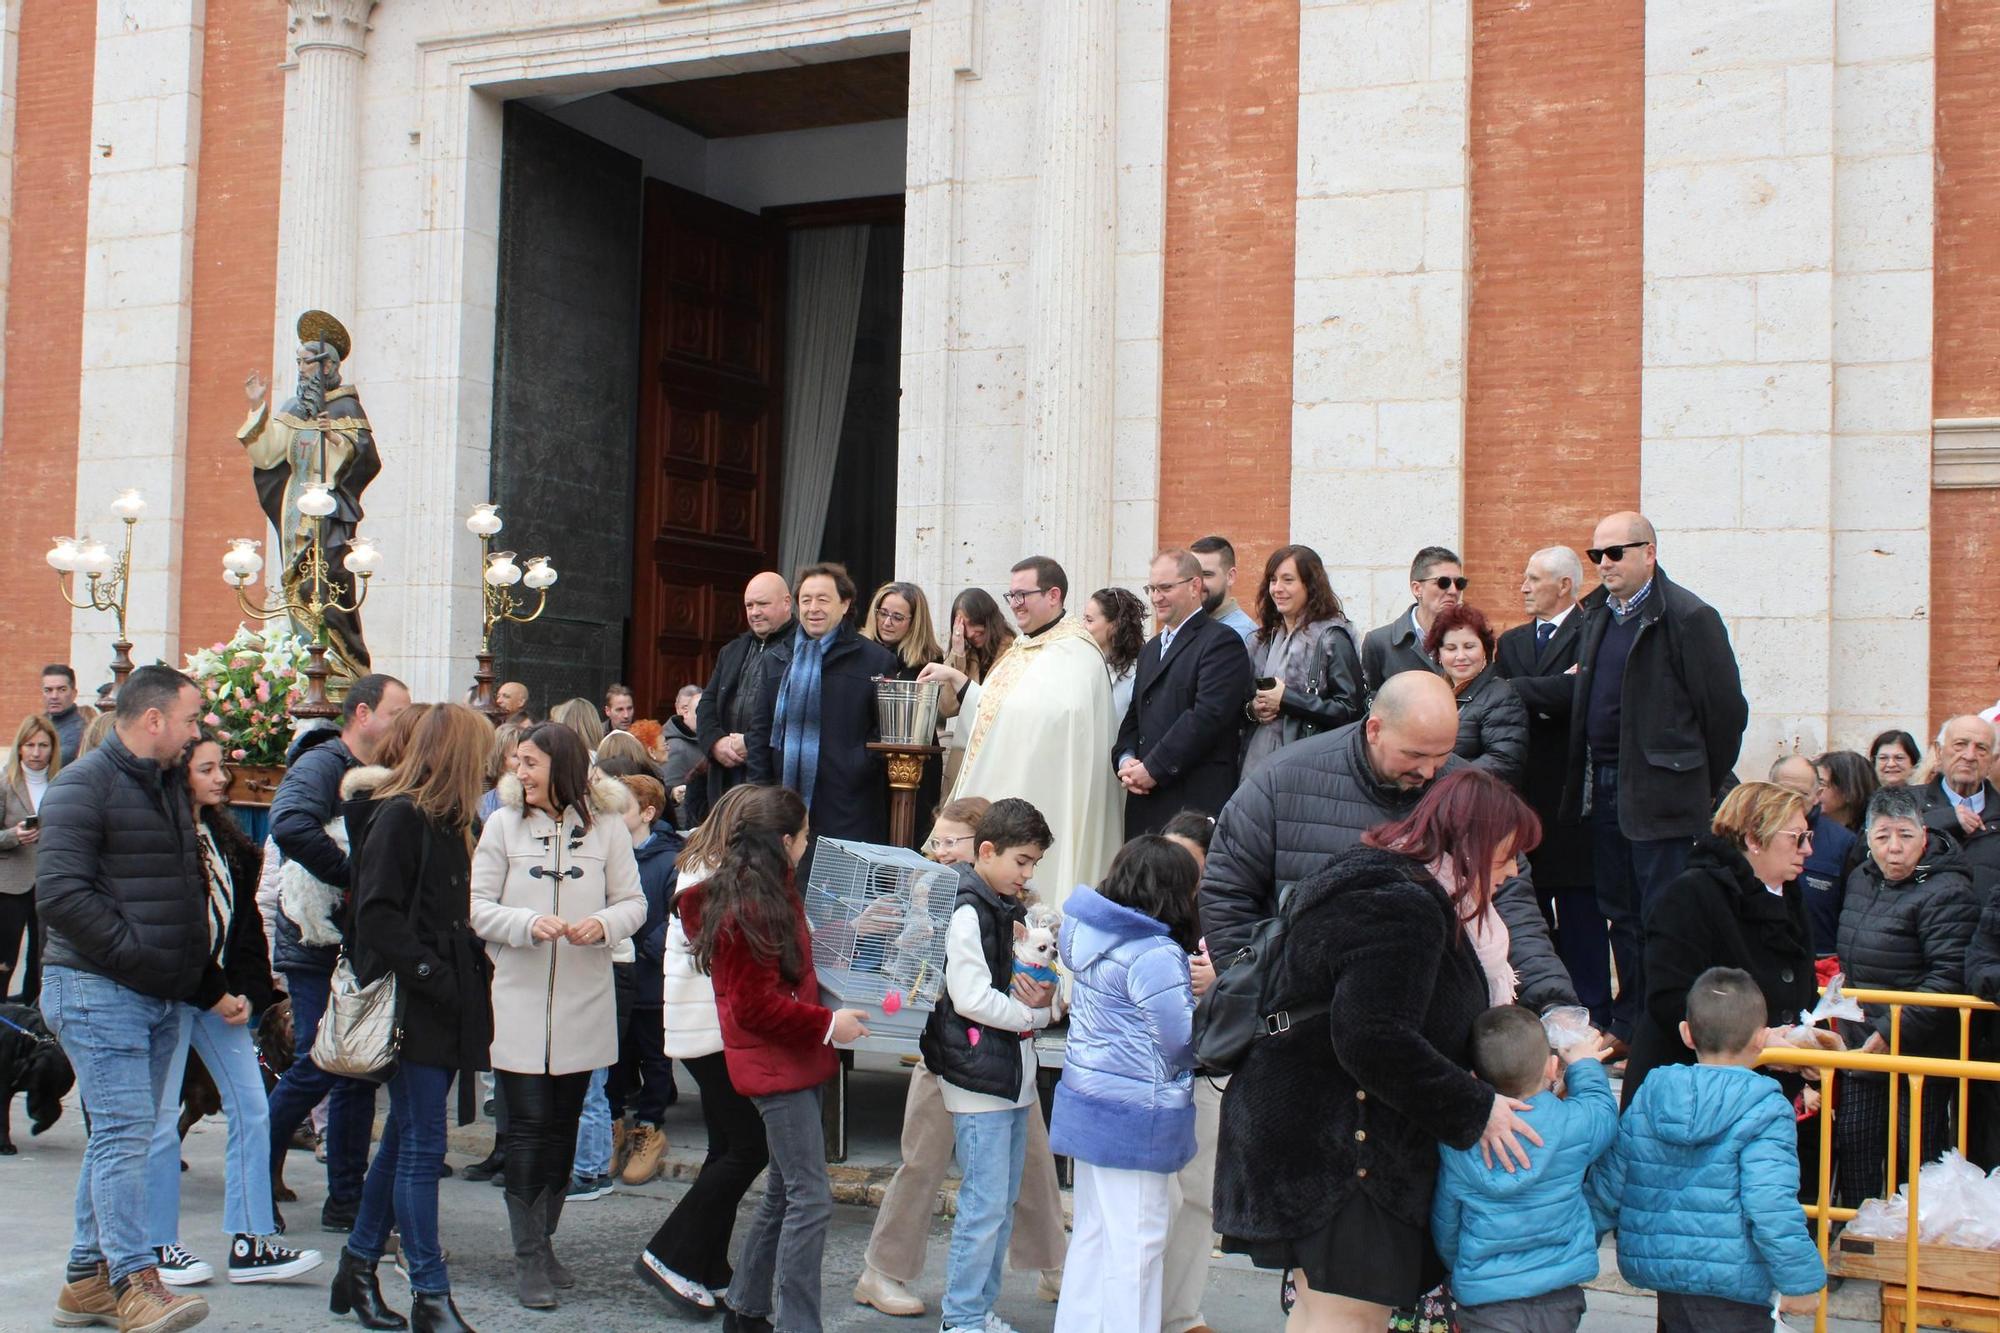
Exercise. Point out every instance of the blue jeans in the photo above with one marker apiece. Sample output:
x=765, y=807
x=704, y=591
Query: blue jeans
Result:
x=402, y=1184
x=991, y=1147
x=1631, y=874
x=785, y=1242
x=593, y=1130
x=120, y=1043
x=230, y=1055
x=350, y=1110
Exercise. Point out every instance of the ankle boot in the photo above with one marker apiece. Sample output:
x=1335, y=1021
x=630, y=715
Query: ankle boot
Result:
x=531, y=1252
x=551, y=1210
x=434, y=1313
x=356, y=1288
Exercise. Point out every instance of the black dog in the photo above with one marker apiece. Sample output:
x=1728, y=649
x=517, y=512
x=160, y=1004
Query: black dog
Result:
x=30, y=1062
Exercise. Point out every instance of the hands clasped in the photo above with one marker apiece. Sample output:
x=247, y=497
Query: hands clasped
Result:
x=587, y=931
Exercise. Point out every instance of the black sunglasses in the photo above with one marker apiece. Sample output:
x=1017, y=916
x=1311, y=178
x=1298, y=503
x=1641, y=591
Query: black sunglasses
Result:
x=1445, y=584
x=1617, y=553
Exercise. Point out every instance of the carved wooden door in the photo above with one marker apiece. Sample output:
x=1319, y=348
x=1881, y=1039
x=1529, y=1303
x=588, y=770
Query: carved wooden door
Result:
x=706, y=509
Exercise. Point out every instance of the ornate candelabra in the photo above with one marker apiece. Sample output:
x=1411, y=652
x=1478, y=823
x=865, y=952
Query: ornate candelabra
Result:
x=110, y=581
x=501, y=574
x=317, y=592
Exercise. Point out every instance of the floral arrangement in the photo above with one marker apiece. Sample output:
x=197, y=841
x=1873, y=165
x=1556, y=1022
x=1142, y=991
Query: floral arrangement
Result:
x=249, y=684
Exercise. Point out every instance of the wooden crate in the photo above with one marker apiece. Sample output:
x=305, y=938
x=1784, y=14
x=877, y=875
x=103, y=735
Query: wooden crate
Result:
x=1939, y=1267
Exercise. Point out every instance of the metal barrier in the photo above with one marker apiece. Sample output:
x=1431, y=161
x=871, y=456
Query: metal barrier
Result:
x=1964, y=1070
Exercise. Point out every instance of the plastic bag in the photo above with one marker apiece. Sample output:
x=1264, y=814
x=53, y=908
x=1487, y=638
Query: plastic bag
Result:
x=1567, y=1025
x=1957, y=1204
x=1882, y=1219
x=1832, y=1004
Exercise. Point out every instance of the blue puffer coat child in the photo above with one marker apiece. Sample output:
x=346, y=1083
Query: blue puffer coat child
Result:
x=1702, y=1187
x=1509, y=1235
x=1126, y=1099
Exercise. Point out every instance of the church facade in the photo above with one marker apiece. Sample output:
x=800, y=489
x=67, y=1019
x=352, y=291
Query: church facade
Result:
x=1364, y=274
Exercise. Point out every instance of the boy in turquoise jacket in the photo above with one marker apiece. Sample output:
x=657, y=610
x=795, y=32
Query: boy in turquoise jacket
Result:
x=1520, y=1244
x=1702, y=1186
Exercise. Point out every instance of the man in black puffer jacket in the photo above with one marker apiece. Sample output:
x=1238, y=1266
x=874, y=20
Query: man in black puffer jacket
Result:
x=1318, y=796
x=120, y=889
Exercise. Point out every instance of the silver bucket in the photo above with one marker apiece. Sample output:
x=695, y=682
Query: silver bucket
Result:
x=907, y=711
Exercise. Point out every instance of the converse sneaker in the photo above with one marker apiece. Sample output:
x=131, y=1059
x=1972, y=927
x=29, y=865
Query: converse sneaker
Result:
x=582, y=1189
x=178, y=1268
x=254, y=1259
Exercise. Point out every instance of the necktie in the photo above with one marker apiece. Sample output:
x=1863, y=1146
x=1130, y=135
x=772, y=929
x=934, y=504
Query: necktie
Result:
x=1544, y=631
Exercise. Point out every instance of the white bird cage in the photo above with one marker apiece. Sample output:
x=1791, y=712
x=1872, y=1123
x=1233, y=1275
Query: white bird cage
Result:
x=878, y=918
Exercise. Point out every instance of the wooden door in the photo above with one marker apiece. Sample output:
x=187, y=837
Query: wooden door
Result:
x=706, y=508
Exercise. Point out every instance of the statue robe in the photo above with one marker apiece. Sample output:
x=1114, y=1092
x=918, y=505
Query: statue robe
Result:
x=1043, y=733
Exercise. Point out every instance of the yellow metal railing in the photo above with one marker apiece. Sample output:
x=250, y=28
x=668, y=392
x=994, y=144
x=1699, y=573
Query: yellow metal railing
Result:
x=1964, y=1071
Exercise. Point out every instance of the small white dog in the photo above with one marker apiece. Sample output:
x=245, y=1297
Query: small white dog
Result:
x=1035, y=943
x=309, y=901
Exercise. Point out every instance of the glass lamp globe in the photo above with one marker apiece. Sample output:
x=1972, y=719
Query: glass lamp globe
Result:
x=540, y=573
x=362, y=557
x=484, y=521
x=242, y=558
x=129, y=504
x=62, y=555
x=501, y=571
x=92, y=558
x=316, y=501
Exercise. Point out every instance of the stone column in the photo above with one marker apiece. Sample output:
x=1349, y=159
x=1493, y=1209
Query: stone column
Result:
x=1066, y=466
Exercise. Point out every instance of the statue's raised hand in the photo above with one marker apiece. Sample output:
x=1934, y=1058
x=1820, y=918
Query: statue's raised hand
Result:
x=255, y=386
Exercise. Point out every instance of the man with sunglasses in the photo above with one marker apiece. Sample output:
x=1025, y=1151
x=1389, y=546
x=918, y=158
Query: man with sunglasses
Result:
x=1656, y=722
x=1437, y=581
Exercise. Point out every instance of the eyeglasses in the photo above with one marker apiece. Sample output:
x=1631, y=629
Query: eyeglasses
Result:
x=936, y=845
x=1444, y=583
x=1016, y=597
x=1804, y=836
x=1599, y=554
x=1155, y=589
x=892, y=617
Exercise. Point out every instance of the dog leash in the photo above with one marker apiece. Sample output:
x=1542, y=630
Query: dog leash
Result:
x=39, y=1038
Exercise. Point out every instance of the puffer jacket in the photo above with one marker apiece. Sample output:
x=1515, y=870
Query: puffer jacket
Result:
x=1313, y=801
x=656, y=881
x=1493, y=727
x=1126, y=1099
x=1508, y=1235
x=554, y=1009
x=1702, y=1188
x=306, y=801
x=687, y=995
x=1911, y=935
x=119, y=883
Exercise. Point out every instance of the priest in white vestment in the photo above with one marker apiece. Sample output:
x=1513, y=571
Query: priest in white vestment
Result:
x=1043, y=732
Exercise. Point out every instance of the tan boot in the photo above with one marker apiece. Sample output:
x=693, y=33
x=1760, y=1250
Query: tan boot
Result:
x=644, y=1147
x=81, y=1304
x=621, y=1138
x=878, y=1289
x=147, y=1305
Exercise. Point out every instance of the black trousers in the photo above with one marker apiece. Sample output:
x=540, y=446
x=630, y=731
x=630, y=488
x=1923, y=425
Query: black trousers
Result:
x=1861, y=1132
x=642, y=1082
x=694, y=1240
x=17, y=921
x=542, y=1115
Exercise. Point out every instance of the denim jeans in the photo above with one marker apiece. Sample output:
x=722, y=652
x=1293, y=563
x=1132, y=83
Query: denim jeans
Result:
x=593, y=1130
x=402, y=1183
x=350, y=1112
x=991, y=1147
x=1631, y=873
x=229, y=1053
x=120, y=1043
x=786, y=1238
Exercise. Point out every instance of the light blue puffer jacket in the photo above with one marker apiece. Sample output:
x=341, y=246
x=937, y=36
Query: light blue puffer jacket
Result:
x=1508, y=1235
x=1126, y=1099
x=1703, y=1188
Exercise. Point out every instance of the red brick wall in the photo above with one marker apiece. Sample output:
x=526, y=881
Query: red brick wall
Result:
x=1226, y=356
x=235, y=286
x=1552, y=375
x=44, y=343
x=1965, y=561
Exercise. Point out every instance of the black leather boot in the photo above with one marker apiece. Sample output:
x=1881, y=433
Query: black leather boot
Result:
x=552, y=1207
x=531, y=1251
x=434, y=1313
x=355, y=1288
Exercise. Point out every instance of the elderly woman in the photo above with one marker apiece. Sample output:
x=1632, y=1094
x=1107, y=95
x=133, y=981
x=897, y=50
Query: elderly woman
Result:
x=1492, y=720
x=1305, y=658
x=1330, y=1132
x=1909, y=915
x=1895, y=755
x=1738, y=904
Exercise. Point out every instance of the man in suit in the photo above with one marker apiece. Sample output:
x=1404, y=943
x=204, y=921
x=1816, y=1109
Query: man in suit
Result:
x=1177, y=748
x=729, y=704
x=1437, y=580
x=1656, y=720
x=1537, y=657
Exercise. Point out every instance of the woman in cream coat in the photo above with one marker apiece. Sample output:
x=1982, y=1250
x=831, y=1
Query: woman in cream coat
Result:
x=554, y=887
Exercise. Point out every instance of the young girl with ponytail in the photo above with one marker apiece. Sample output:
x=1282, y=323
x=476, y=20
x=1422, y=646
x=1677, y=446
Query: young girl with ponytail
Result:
x=749, y=934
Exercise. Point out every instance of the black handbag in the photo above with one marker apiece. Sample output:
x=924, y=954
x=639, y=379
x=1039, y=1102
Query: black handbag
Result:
x=1240, y=1009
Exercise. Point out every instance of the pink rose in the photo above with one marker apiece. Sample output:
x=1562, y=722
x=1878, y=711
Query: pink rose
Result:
x=212, y=721
x=238, y=754
x=263, y=691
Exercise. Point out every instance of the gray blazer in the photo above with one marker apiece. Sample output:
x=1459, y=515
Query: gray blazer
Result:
x=17, y=863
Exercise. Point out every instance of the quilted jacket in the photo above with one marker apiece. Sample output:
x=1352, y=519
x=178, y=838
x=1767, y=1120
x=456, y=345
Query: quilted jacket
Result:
x=1910, y=935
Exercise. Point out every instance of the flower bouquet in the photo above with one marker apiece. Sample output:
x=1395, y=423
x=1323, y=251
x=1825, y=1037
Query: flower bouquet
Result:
x=249, y=684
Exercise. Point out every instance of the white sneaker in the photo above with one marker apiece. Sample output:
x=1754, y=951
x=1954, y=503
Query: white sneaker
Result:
x=995, y=1324
x=178, y=1268
x=255, y=1259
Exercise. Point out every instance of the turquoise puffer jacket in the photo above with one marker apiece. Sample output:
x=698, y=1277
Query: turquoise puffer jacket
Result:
x=1703, y=1188
x=1507, y=1236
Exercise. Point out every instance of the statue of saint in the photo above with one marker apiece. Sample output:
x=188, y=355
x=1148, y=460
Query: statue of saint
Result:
x=319, y=435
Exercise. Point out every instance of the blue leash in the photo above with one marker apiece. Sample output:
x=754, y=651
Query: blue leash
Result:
x=37, y=1037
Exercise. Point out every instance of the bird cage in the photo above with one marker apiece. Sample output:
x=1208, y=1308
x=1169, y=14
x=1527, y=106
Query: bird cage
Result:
x=878, y=918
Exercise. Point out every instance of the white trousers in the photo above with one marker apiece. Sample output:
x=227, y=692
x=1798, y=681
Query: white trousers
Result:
x=1191, y=1238
x=1111, y=1283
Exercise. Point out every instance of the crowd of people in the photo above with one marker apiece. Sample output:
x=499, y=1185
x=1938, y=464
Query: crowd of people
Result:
x=1405, y=847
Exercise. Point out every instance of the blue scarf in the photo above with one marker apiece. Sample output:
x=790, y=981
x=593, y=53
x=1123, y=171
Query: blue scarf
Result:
x=796, y=721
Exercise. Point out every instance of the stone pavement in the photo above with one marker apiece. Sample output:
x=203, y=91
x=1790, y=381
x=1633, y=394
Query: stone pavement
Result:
x=599, y=1240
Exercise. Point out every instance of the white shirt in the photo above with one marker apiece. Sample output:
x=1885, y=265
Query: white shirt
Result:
x=1558, y=618
x=969, y=989
x=1975, y=802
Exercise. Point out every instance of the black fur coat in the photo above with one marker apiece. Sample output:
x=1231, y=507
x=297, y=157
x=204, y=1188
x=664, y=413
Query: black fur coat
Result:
x=1359, y=1098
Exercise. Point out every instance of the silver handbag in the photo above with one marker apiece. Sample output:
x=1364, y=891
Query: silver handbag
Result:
x=362, y=1028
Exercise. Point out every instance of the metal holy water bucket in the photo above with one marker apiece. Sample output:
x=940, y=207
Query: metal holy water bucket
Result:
x=907, y=711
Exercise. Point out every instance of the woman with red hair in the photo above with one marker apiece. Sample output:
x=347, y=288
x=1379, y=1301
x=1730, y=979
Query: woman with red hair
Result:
x=1330, y=1133
x=1492, y=720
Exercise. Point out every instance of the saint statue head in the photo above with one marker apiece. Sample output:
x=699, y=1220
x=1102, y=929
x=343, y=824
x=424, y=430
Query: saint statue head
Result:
x=323, y=345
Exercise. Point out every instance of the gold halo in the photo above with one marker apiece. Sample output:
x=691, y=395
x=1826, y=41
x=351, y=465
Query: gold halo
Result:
x=316, y=326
